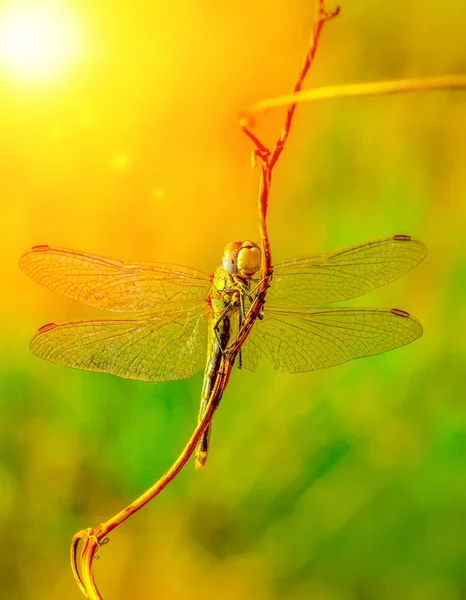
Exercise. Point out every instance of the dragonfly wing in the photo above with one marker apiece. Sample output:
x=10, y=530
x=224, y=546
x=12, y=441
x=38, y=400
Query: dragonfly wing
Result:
x=309, y=339
x=345, y=274
x=115, y=285
x=153, y=348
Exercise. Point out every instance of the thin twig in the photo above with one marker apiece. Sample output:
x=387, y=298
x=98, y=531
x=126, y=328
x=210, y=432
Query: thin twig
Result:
x=321, y=17
x=355, y=90
x=92, y=539
x=269, y=159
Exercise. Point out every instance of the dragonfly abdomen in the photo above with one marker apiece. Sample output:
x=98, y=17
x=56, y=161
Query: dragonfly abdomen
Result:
x=220, y=336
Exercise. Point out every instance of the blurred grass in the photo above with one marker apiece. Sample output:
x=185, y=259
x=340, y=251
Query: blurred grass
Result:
x=338, y=485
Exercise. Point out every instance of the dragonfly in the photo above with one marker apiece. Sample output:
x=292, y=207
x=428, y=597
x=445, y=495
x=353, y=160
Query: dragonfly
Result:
x=180, y=320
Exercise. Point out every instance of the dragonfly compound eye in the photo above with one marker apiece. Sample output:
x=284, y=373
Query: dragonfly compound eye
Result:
x=230, y=257
x=249, y=259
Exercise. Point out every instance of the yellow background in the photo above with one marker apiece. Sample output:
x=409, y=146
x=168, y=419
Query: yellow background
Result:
x=338, y=485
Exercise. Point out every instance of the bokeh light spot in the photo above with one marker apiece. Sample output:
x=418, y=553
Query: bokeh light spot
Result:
x=158, y=193
x=121, y=161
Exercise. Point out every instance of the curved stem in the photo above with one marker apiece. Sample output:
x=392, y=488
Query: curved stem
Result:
x=357, y=90
x=92, y=539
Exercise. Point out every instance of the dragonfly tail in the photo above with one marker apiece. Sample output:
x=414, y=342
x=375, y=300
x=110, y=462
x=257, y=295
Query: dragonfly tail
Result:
x=202, y=450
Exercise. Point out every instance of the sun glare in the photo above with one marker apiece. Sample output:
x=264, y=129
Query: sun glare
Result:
x=38, y=41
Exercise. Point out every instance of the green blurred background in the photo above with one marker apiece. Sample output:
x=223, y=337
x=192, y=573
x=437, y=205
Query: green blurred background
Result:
x=342, y=484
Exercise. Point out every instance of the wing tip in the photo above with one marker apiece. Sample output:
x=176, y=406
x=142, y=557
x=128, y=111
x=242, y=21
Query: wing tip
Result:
x=37, y=338
x=397, y=312
x=36, y=250
x=47, y=327
x=422, y=248
x=403, y=237
x=400, y=313
x=400, y=237
x=27, y=256
x=40, y=248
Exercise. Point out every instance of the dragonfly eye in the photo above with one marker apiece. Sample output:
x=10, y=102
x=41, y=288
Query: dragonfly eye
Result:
x=229, y=264
x=230, y=256
x=249, y=259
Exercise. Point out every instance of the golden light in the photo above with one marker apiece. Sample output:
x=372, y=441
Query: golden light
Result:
x=38, y=41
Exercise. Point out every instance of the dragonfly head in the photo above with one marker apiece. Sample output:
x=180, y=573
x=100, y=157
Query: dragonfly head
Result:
x=241, y=258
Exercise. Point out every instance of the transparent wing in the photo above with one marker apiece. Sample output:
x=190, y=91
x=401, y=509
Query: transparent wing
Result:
x=310, y=339
x=115, y=285
x=154, y=348
x=345, y=274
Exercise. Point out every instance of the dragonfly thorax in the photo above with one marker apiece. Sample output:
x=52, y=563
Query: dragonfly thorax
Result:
x=241, y=258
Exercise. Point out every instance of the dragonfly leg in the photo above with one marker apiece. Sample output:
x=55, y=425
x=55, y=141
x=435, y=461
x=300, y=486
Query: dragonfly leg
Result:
x=253, y=291
x=250, y=294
